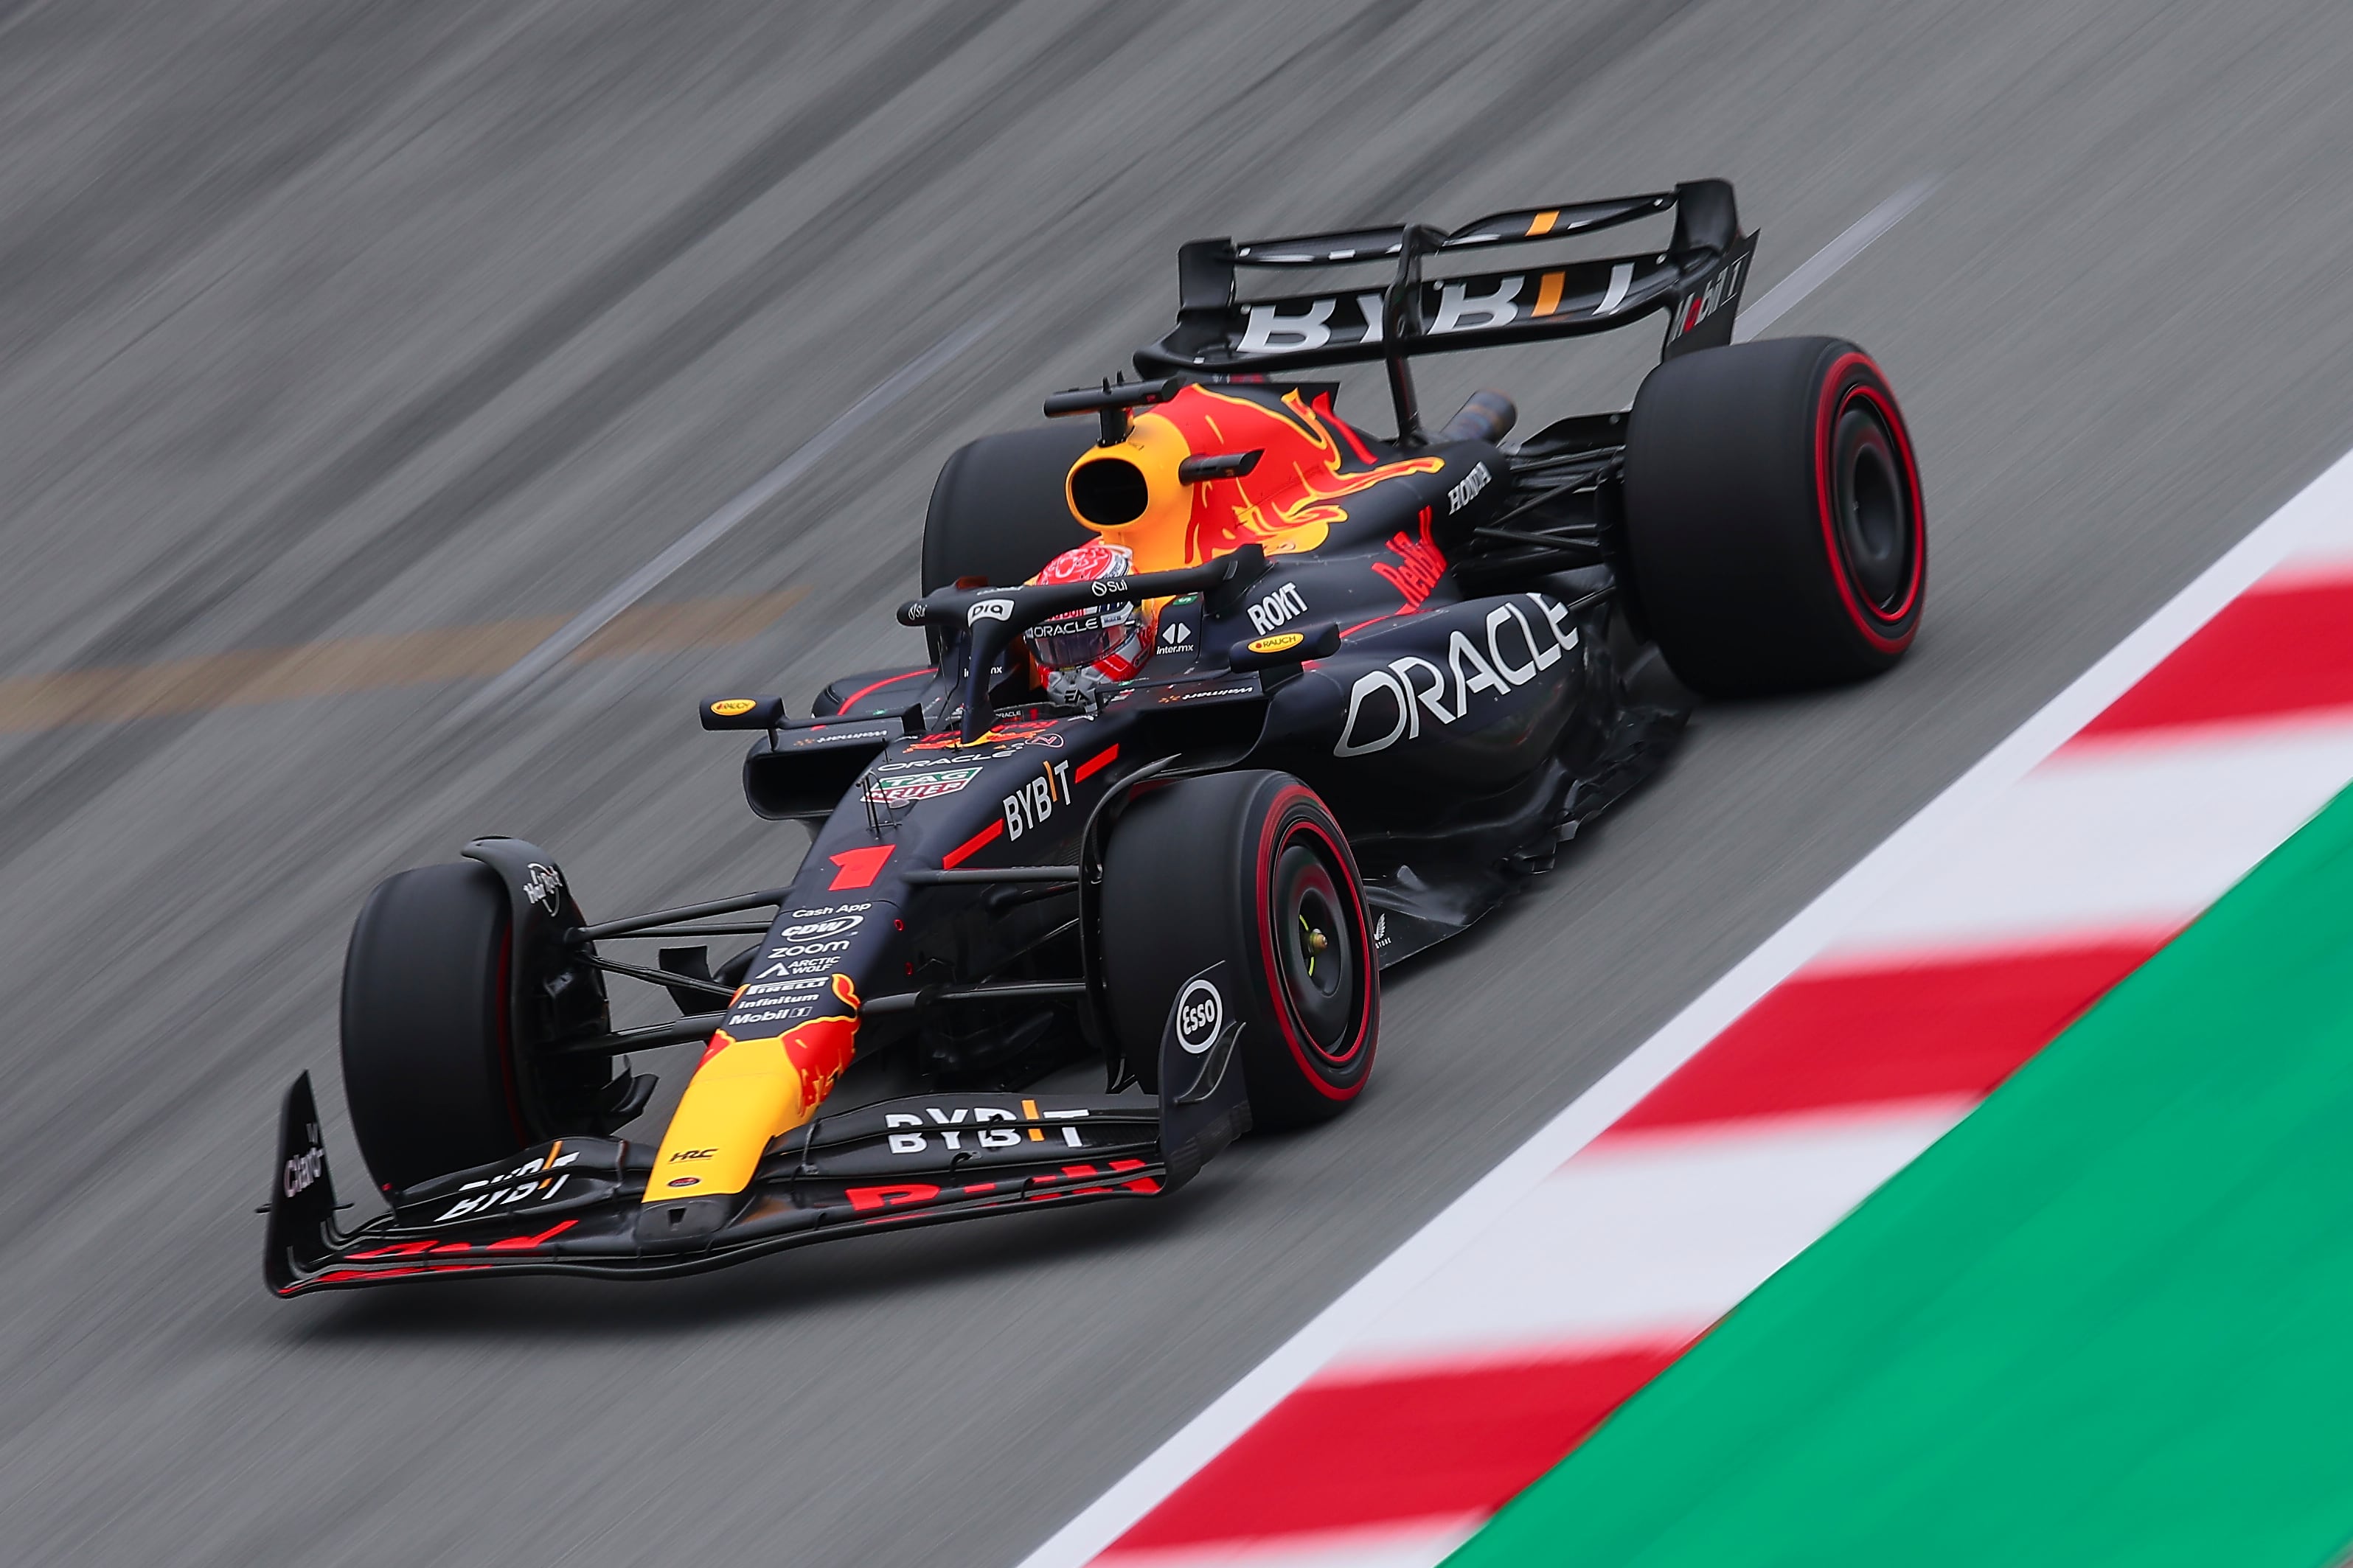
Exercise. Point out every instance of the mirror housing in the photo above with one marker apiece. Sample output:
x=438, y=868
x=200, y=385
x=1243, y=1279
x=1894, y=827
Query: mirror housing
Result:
x=734, y=712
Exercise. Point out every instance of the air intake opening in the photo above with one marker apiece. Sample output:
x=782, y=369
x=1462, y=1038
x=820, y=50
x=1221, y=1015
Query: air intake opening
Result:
x=1109, y=491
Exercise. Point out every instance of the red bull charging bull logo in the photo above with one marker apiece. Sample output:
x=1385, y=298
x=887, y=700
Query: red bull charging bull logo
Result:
x=819, y=1050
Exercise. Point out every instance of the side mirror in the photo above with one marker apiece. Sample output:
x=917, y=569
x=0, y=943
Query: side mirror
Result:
x=743, y=712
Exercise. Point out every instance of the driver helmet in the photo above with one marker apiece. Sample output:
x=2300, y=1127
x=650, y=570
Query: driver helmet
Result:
x=1082, y=652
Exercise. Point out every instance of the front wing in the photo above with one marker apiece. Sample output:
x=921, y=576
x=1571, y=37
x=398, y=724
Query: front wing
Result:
x=579, y=1206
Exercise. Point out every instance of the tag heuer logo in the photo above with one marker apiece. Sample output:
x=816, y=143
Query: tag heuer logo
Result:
x=908, y=788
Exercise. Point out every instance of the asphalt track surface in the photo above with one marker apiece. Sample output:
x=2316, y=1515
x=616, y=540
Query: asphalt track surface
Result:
x=322, y=323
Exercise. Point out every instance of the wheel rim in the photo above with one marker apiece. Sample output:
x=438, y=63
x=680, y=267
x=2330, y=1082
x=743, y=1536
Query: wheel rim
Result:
x=1315, y=955
x=1872, y=508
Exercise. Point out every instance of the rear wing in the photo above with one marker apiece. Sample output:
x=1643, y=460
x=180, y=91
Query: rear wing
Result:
x=1697, y=279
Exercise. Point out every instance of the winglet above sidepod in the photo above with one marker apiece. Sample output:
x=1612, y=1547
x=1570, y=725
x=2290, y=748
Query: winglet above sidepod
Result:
x=302, y=1193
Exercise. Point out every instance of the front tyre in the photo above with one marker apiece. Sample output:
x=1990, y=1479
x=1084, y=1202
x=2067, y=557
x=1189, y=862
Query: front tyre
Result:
x=998, y=512
x=1249, y=870
x=428, y=1066
x=1773, y=517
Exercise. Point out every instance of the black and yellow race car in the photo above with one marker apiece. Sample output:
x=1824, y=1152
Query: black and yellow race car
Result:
x=1229, y=704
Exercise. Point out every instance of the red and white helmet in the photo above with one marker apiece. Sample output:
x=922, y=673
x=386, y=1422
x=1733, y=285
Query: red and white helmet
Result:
x=1082, y=650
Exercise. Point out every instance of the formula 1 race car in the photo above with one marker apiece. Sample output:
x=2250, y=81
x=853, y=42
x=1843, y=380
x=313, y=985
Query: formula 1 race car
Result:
x=1229, y=705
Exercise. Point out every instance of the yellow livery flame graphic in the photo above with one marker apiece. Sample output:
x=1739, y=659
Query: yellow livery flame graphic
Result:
x=1287, y=503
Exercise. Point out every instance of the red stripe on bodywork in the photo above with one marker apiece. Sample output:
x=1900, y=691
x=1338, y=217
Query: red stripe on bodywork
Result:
x=1924, y=1028
x=973, y=846
x=525, y=1243
x=2271, y=651
x=1332, y=1457
x=865, y=691
x=1095, y=763
x=339, y=1275
x=1348, y=432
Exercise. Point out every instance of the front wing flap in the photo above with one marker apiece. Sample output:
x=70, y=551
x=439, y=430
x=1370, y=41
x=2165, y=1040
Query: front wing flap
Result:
x=579, y=1206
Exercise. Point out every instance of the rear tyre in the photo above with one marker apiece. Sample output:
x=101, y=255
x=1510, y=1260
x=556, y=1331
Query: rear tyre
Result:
x=1249, y=869
x=999, y=511
x=428, y=1058
x=1773, y=517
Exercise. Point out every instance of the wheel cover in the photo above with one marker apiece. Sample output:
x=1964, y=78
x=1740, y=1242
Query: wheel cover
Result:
x=1316, y=961
x=1314, y=956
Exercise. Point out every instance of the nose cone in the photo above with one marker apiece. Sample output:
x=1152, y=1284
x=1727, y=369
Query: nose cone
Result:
x=746, y=1092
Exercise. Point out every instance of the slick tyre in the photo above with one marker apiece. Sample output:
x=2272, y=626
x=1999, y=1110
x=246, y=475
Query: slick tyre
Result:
x=1773, y=517
x=999, y=511
x=1246, y=868
x=428, y=1069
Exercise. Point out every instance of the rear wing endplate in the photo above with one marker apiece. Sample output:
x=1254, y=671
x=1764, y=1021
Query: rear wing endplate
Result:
x=1697, y=280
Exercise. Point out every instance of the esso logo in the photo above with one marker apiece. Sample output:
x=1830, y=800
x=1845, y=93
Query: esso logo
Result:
x=1200, y=1011
x=990, y=610
x=833, y=927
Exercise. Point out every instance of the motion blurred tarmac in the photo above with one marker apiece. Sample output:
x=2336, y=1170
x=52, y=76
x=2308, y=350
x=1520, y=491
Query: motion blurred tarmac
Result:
x=328, y=323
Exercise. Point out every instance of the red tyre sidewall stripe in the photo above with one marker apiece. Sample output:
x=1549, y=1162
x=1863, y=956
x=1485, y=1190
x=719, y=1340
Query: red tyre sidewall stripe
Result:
x=1269, y=854
x=1866, y=618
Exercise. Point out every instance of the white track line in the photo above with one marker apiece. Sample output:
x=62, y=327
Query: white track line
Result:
x=723, y=522
x=1393, y=1544
x=1647, y=1238
x=1358, y=1307
x=2118, y=838
x=1819, y=269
